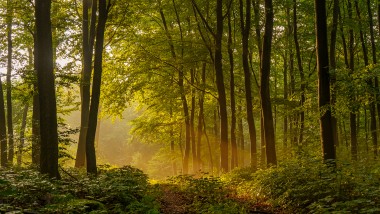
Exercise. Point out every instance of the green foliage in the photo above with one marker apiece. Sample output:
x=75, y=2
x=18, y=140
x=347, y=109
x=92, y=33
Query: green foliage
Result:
x=121, y=190
x=306, y=185
x=206, y=195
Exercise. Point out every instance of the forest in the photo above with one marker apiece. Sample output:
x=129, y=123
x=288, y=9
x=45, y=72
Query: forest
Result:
x=169, y=106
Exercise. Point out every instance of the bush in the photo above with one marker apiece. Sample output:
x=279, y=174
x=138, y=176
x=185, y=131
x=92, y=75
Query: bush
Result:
x=123, y=190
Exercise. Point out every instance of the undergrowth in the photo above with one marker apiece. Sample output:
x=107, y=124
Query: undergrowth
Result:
x=121, y=190
x=303, y=185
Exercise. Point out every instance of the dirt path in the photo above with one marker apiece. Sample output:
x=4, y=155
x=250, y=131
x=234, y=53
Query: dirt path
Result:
x=172, y=201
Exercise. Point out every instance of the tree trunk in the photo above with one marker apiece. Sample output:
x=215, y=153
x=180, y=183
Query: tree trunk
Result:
x=201, y=116
x=3, y=129
x=264, y=86
x=351, y=66
x=192, y=127
x=374, y=60
x=371, y=85
x=327, y=137
x=221, y=89
x=241, y=137
x=234, y=159
x=96, y=83
x=46, y=90
x=182, y=94
x=333, y=67
x=87, y=48
x=9, y=82
x=36, y=136
x=245, y=25
x=22, y=134
x=302, y=75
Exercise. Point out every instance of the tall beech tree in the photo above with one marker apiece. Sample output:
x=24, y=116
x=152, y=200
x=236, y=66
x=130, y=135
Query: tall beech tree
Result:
x=350, y=64
x=218, y=66
x=9, y=82
x=301, y=72
x=234, y=154
x=245, y=26
x=46, y=89
x=88, y=38
x=374, y=61
x=326, y=132
x=96, y=83
x=264, y=85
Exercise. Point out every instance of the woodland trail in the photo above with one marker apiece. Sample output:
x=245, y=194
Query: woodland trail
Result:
x=174, y=201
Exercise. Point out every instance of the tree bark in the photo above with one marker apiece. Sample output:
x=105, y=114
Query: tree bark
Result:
x=88, y=36
x=327, y=138
x=374, y=60
x=3, y=129
x=351, y=67
x=46, y=90
x=234, y=159
x=264, y=86
x=96, y=84
x=9, y=82
x=245, y=25
x=201, y=117
x=192, y=126
x=302, y=75
x=22, y=133
x=333, y=67
x=218, y=65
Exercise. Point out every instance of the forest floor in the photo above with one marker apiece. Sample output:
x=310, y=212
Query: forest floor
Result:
x=175, y=201
x=294, y=187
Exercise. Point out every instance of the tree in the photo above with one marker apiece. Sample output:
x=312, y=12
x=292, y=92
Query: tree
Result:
x=3, y=129
x=96, y=83
x=46, y=89
x=245, y=25
x=326, y=133
x=234, y=154
x=9, y=83
x=264, y=85
x=221, y=88
x=301, y=71
x=88, y=37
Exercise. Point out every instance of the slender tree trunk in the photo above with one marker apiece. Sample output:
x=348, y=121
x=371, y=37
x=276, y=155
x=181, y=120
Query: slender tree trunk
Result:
x=372, y=104
x=201, y=116
x=88, y=36
x=96, y=83
x=285, y=95
x=327, y=137
x=245, y=25
x=36, y=137
x=302, y=75
x=374, y=60
x=234, y=160
x=211, y=164
x=333, y=67
x=264, y=86
x=256, y=9
x=241, y=137
x=351, y=66
x=46, y=90
x=22, y=133
x=192, y=127
x=9, y=82
x=221, y=89
x=182, y=94
x=3, y=129
x=262, y=142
